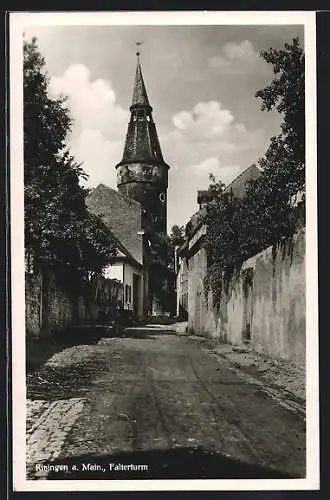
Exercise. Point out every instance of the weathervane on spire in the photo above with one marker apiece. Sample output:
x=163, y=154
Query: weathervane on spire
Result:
x=138, y=44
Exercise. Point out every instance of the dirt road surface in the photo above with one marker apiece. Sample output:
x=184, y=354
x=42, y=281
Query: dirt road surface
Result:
x=152, y=404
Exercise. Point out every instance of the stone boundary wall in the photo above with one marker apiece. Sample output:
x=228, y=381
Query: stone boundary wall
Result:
x=263, y=305
x=33, y=302
x=51, y=304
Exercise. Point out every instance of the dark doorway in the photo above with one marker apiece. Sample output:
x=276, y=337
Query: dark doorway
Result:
x=136, y=294
x=199, y=309
x=248, y=304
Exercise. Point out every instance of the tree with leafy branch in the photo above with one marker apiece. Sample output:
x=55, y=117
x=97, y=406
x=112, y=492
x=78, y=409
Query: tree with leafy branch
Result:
x=59, y=230
x=286, y=94
x=176, y=237
x=238, y=229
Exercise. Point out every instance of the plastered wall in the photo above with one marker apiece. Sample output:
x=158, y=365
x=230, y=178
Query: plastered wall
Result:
x=263, y=304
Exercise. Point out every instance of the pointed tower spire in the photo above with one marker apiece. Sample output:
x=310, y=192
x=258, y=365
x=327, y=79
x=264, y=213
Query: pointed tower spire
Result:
x=142, y=144
x=140, y=97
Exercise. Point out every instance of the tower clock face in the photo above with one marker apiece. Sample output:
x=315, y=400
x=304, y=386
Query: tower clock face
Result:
x=162, y=197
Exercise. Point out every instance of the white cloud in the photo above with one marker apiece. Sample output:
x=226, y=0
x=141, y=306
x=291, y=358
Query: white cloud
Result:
x=98, y=155
x=206, y=167
x=237, y=58
x=225, y=173
x=204, y=140
x=99, y=123
x=208, y=130
x=206, y=120
x=243, y=50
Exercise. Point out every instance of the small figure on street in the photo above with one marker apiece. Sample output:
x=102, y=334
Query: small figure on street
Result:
x=119, y=320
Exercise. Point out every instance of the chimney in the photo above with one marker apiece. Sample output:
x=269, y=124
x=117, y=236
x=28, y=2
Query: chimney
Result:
x=204, y=197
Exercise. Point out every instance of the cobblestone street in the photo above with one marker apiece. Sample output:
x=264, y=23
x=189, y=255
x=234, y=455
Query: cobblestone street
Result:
x=176, y=405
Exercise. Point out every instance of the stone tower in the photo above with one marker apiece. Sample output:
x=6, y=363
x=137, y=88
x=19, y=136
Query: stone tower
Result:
x=142, y=173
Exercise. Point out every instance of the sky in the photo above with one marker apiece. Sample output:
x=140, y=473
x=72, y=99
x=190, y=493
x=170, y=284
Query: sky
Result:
x=201, y=82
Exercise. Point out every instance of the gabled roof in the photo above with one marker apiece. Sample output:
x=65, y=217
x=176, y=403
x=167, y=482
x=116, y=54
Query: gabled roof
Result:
x=122, y=215
x=204, y=196
x=126, y=253
x=239, y=184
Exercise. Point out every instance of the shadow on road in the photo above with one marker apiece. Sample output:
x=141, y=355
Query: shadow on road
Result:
x=51, y=383
x=144, y=333
x=179, y=463
x=38, y=351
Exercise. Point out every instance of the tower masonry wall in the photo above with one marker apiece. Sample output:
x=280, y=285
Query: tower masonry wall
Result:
x=153, y=198
x=142, y=172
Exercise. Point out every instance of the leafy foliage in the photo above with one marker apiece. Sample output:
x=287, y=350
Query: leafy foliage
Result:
x=161, y=270
x=59, y=230
x=240, y=228
x=177, y=237
x=286, y=93
x=217, y=188
x=161, y=266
